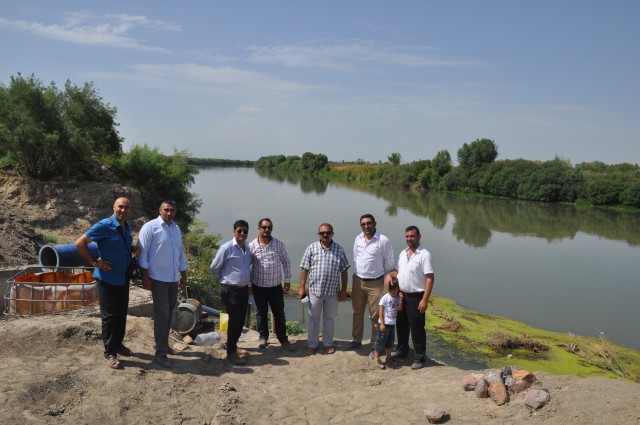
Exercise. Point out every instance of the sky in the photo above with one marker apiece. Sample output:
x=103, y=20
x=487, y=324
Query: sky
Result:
x=351, y=79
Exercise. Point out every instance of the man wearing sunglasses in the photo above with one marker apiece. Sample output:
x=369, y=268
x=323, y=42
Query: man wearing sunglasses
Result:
x=270, y=259
x=232, y=266
x=324, y=267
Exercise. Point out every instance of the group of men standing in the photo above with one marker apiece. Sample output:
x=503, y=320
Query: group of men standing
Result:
x=259, y=268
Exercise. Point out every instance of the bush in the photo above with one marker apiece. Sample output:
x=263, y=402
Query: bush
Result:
x=199, y=249
x=159, y=177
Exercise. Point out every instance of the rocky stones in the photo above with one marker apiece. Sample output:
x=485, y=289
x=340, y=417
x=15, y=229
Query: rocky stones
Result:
x=498, y=392
x=482, y=389
x=469, y=382
x=536, y=398
x=498, y=385
x=434, y=414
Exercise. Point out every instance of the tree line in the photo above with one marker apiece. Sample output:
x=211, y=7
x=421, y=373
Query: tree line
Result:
x=479, y=171
x=71, y=134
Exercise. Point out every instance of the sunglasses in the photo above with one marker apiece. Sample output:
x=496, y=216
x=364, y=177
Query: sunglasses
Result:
x=266, y=227
x=325, y=233
x=242, y=231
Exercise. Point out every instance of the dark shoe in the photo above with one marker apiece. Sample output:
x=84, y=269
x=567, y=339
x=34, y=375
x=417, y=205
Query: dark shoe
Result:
x=390, y=363
x=236, y=359
x=311, y=351
x=354, y=345
x=417, y=364
x=163, y=361
x=287, y=346
x=398, y=355
x=330, y=350
x=124, y=351
x=171, y=351
x=262, y=343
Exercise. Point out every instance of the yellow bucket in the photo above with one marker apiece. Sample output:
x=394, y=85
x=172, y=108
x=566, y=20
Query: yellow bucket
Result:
x=224, y=322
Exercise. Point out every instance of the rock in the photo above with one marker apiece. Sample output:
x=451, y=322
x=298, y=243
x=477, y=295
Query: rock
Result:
x=469, y=382
x=482, y=389
x=536, y=398
x=524, y=375
x=179, y=346
x=509, y=380
x=434, y=414
x=506, y=372
x=518, y=386
x=498, y=392
x=493, y=376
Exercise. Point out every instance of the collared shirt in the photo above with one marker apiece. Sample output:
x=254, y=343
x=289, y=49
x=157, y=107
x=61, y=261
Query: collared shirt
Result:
x=114, y=244
x=161, y=250
x=267, y=259
x=412, y=272
x=325, y=267
x=373, y=258
x=232, y=264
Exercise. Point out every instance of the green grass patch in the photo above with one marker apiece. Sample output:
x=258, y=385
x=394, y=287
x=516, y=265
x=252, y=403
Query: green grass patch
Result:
x=498, y=341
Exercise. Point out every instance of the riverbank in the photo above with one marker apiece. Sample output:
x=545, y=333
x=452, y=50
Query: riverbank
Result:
x=53, y=372
x=471, y=337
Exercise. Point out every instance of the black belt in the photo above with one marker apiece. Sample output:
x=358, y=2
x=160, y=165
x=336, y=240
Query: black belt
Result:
x=371, y=280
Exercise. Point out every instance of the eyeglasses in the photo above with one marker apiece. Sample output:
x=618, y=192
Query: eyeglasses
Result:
x=325, y=233
x=266, y=227
x=242, y=231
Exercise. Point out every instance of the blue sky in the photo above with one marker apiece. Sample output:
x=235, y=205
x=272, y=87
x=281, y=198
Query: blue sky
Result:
x=351, y=79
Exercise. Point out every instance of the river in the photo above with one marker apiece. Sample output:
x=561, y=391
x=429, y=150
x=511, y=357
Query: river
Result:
x=556, y=267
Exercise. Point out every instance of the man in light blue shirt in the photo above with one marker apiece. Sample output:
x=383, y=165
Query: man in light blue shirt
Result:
x=163, y=266
x=232, y=265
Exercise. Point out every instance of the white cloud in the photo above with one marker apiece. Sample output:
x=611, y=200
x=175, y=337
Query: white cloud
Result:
x=94, y=30
x=248, y=109
x=198, y=78
x=346, y=55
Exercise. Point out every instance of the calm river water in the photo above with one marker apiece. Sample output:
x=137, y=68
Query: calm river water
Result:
x=552, y=266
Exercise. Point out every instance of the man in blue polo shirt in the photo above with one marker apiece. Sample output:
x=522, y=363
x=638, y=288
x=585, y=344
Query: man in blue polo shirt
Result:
x=113, y=237
x=232, y=266
x=163, y=267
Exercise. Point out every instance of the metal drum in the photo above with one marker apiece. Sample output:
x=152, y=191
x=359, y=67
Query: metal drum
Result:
x=186, y=317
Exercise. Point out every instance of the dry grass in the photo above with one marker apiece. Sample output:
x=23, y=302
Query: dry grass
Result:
x=502, y=341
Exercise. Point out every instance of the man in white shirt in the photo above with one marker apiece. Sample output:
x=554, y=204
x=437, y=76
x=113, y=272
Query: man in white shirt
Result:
x=163, y=267
x=373, y=256
x=415, y=278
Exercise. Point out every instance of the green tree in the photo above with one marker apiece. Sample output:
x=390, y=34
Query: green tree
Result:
x=314, y=162
x=480, y=152
x=394, y=159
x=56, y=134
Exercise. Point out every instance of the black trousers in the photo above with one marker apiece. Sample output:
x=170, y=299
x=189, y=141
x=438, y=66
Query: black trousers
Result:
x=114, y=302
x=410, y=320
x=235, y=300
x=270, y=297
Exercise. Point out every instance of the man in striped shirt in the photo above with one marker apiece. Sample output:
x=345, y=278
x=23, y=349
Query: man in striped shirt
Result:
x=270, y=259
x=324, y=267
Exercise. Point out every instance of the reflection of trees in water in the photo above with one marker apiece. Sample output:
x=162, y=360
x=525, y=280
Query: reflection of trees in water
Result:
x=477, y=217
x=308, y=183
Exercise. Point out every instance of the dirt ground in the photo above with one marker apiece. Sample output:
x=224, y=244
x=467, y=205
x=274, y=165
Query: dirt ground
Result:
x=53, y=372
